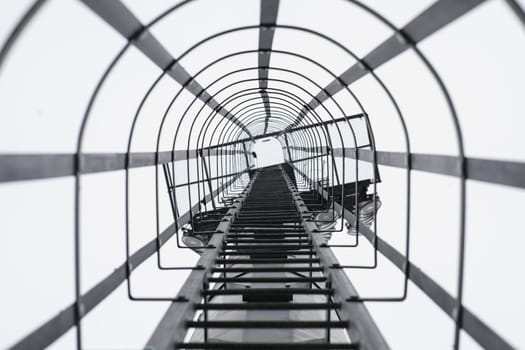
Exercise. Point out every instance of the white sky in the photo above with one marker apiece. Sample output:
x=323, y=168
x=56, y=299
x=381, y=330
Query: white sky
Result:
x=45, y=85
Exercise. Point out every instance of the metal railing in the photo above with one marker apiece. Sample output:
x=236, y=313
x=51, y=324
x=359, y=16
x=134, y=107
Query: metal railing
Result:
x=219, y=151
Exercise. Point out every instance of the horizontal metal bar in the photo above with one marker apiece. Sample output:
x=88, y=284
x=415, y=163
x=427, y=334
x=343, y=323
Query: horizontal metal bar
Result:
x=270, y=240
x=309, y=158
x=476, y=328
x=326, y=122
x=236, y=291
x=276, y=248
x=276, y=221
x=320, y=149
x=246, y=238
x=269, y=230
x=252, y=213
x=276, y=133
x=487, y=170
x=266, y=253
x=266, y=279
x=58, y=325
x=267, y=324
x=21, y=167
x=267, y=306
x=268, y=346
x=267, y=269
x=212, y=178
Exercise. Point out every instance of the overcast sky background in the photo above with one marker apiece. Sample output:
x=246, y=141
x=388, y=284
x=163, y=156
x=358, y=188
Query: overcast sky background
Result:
x=45, y=86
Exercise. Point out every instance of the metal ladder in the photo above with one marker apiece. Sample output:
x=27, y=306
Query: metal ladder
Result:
x=267, y=267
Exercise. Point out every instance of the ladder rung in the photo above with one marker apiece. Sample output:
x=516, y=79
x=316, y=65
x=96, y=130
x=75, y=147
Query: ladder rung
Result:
x=266, y=261
x=267, y=230
x=265, y=235
x=278, y=207
x=236, y=291
x=267, y=246
x=267, y=324
x=263, y=240
x=267, y=253
x=267, y=346
x=269, y=217
x=276, y=212
x=249, y=226
x=268, y=269
x=270, y=229
x=265, y=220
x=267, y=306
x=266, y=279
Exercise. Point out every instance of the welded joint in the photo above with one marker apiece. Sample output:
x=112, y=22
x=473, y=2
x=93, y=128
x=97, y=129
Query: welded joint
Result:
x=361, y=65
x=81, y=162
x=81, y=309
x=141, y=34
x=403, y=38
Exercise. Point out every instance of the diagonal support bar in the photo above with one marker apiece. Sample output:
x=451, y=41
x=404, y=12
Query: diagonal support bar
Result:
x=172, y=328
x=474, y=326
x=120, y=18
x=362, y=328
x=58, y=325
x=425, y=24
x=303, y=127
